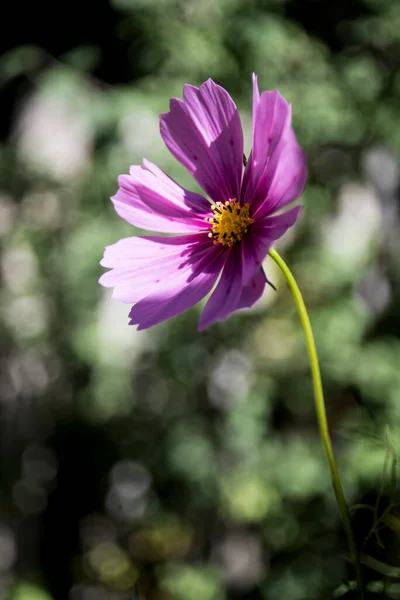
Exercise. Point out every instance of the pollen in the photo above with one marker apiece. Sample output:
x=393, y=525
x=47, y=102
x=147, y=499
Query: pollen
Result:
x=230, y=222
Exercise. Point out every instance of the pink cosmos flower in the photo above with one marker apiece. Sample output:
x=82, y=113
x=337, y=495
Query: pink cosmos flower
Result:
x=221, y=242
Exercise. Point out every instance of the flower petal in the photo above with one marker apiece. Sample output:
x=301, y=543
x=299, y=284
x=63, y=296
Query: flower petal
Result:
x=224, y=298
x=190, y=199
x=215, y=115
x=254, y=248
x=271, y=119
x=141, y=265
x=256, y=99
x=230, y=294
x=204, y=133
x=181, y=291
x=285, y=178
x=260, y=238
x=252, y=291
x=146, y=200
x=274, y=227
x=276, y=172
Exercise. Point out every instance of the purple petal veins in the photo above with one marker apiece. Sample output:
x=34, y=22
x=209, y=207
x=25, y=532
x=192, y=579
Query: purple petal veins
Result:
x=219, y=244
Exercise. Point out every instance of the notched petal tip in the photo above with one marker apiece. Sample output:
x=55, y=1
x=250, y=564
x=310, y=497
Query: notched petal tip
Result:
x=162, y=116
x=187, y=88
x=103, y=262
x=104, y=280
x=136, y=170
x=122, y=179
x=204, y=134
x=175, y=103
x=147, y=198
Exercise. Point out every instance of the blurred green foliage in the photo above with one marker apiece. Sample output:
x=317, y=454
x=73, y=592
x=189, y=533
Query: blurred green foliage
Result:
x=166, y=464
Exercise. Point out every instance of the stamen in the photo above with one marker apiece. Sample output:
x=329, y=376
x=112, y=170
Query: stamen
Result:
x=232, y=223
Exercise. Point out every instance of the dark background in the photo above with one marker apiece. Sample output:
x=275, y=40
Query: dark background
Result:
x=167, y=464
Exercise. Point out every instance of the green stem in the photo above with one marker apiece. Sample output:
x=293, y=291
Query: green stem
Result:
x=321, y=411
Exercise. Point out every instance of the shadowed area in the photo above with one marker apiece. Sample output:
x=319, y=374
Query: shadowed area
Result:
x=166, y=464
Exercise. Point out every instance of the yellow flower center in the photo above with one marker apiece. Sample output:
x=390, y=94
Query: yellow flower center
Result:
x=231, y=221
